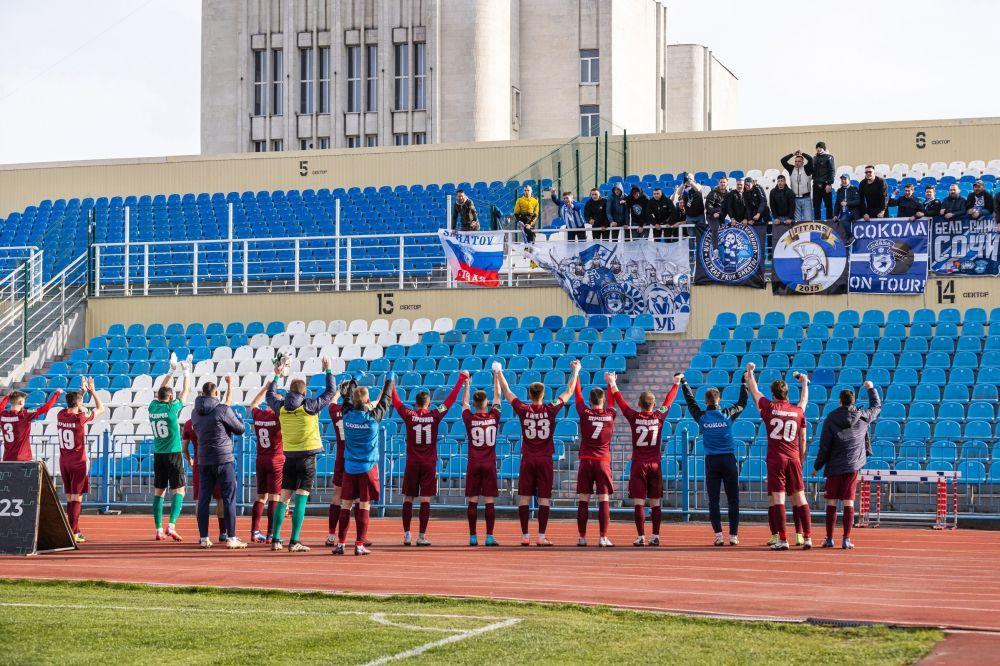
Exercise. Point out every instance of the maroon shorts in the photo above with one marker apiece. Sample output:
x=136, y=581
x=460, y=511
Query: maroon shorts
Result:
x=481, y=480
x=420, y=479
x=784, y=475
x=594, y=474
x=269, y=473
x=645, y=481
x=535, y=478
x=841, y=486
x=75, y=477
x=196, y=484
x=338, y=471
x=360, y=487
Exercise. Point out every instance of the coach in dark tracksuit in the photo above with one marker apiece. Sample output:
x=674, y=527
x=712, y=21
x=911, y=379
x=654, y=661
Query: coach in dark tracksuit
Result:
x=720, y=459
x=215, y=423
x=844, y=447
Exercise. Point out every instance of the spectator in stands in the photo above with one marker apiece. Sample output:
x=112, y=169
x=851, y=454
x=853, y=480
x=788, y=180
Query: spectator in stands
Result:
x=932, y=205
x=907, y=205
x=715, y=203
x=637, y=203
x=526, y=213
x=873, y=195
x=662, y=216
x=571, y=214
x=755, y=202
x=734, y=206
x=691, y=203
x=800, y=171
x=596, y=213
x=848, y=201
x=979, y=202
x=463, y=213
x=824, y=171
x=784, y=204
x=844, y=447
x=617, y=212
x=954, y=205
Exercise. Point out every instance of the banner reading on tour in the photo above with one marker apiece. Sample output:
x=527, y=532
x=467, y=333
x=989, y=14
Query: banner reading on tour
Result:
x=889, y=256
x=731, y=254
x=809, y=258
x=475, y=257
x=631, y=277
x=962, y=246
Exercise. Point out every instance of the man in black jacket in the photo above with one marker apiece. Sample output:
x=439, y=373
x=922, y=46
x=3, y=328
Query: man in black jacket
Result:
x=755, y=201
x=715, y=203
x=954, y=205
x=979, y=201
x=782, y=202
x=873, y=195
x=907, y=205
x=734, y=207
x=662, y=216
x=596, y=213
x=848, y=201
x=932, y=205
x=463, y=213
x=844, y=446
x=824, y=170
x=636, y=206
x=691, y=203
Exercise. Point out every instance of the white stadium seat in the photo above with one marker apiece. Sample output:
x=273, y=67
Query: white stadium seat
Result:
x=379, y=326
x=186, y=413
x=238, y=396
x=400, y=326
x=145, y=396
x=264, y=354
x=358, y=326
x=957, y=165
x=251, y=382
x=322, y=339
x=260, y=340
x=845, y=168
x=330, y=351
x=350, y=352
x=203, y=367
x=409, y=338
x=142, y=382
x=338, y=365
x=308, y=352
x=344, y=339
x=222, y=354
x=123, y=413
x=919, y=169
x=225, y=368
x=372, y=352
x=247, y=367
x=295, y=327
x=443, y=324
x=99, y=428
x=882, y=170
x=144, y=429
x=123, y=428
x=386, y=339
x=281, y=340
x=421, y=326
x=365, y=339
x=121, y=397
x=140, y=414
x=243, y=353
x=312, y=366
x=200, y=380
x=900, y=167
x=337, y=326
x=104, y=394
x=316, y=326
x=301, y=340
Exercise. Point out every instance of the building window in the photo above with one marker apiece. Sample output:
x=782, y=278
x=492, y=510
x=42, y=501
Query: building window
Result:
x=590, y=120
x=401, y=82
x=371, y=78
x=590, y=67
x=515, y=104
x=324, y=79
x=401, y=139
x=354, y=142
x=259, y=82
x=304, y=144
x=305, y=80
x=419, y=138
x=324, y=142
x=277, y=82
x=371, y=140
x=258, y=146
x=277, y=145
x=420, y=76
x=353, y=79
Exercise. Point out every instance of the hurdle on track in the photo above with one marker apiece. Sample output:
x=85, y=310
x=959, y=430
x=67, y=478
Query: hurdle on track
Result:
x=873, y=480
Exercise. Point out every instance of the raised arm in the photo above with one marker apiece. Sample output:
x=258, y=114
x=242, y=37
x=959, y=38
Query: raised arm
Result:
x=381, y=407
x=578, y=398
x=504, y=387
x=616, y=398
x=259, y=398
x=496, y=391
x=734, y=411
x=453, y=394
x=3, y=402
x=186, y=386
x=467, y=388
x=98, y=403
x=573, y=379
x=804, y=393
x=49, y=404
x=320, y=402
x=751, y=382
x=874, y=403
x=696, y=411
x=229, y=390
x=273, y=398
x=668, y=399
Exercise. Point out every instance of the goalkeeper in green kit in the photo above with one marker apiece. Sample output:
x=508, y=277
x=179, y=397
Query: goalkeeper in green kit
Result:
x=168, y=461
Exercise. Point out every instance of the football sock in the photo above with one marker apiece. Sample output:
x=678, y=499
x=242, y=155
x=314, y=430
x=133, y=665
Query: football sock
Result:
x=543, y=518
x=425, y=516
x=848, y=521
x=472, y=513
x=176, y=504
x=270, y=514
x=657, y=516
x=258, y=511
x=407, y=515
x=805, y=519
x=640, y=519
x=345, y=520
x=522, y=514
x=158, y=511
x=604, y=517
x=491, y=517
x=279, y=519
x=831, y=520
x=299, y=514
x=73, y=513
x=361, y=518
x=582, y=509
x=333, y=518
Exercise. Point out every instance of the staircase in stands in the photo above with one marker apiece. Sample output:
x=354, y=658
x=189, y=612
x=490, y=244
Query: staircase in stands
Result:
x=657, y=362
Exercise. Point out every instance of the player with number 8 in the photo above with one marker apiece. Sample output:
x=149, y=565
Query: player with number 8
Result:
x=270, y=463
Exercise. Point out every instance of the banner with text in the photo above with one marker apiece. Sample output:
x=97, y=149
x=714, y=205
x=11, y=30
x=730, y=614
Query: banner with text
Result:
x=474, y=257
x=809, y=258
x=631, y=277
x=962, y=246
x=732, y=254
x=889, y=256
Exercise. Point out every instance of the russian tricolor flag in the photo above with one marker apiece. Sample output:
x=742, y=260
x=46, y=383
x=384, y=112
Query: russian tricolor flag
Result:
x=475, y=257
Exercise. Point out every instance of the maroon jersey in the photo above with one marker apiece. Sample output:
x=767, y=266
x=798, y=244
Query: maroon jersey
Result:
x=15, y=428
x=784, y=421
x=337, y=416
x=646, y=427
x=268, y=433
x=482, y=430
x=72, y=435
x=538, y=426
x=596, y=428
x=422, y=426
x=189, y=435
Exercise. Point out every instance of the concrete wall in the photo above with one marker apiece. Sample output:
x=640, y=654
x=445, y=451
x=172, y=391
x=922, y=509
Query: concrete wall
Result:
x=634, y=67
x=686, y=94
x=222, y=94
x=725, y=96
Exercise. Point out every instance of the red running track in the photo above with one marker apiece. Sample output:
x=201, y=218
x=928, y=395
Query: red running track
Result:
x=904, y=576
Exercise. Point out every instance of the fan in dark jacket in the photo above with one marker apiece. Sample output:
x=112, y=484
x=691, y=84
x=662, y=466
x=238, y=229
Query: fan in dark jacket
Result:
x=874, y=197
x=734, y=206
x=595, y=212
x=691, y=203
x=755, y=202
x=782, y=202
x=215, y=424
x=636, y=206
x=979, y=202
x=932, y=205
x=824, y=172
x=844, y=447
x=953, y=205
x=715, y=203
x=617, y=212
x=907, y=205
x=662, y=216
x=463, y=214
x=848, y=205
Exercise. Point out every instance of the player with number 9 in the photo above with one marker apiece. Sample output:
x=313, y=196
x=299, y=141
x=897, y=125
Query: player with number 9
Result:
x=73, y=461
x=482, y=427
x=270, y=463
x=168, y=463
x=538, y=421
x=420, y=473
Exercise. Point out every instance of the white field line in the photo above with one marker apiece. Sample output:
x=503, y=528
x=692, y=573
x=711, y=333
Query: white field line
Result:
x=420, y=649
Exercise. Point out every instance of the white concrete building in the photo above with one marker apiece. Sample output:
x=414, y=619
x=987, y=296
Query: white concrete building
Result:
x=303, y=74
x=703, y=93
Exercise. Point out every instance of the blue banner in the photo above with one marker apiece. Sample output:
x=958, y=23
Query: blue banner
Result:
x=889, y=256
x=732, y=254
x=962, y=246
x=631, y=277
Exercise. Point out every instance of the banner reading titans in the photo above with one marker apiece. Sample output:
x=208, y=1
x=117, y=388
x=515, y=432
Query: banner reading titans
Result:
x=965, y=247
x=632, y=277
x=475, y=257
x=809, y=258
x=889, y=256
x=731, y=255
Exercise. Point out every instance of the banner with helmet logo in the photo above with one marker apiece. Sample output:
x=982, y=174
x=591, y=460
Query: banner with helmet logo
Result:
x=731, y=254
x=629, y=277
x=889, y=256
x=809, y=258
x=963, y=246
